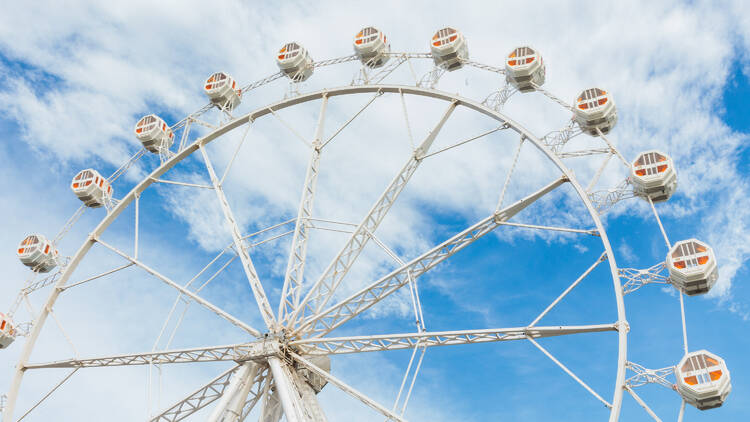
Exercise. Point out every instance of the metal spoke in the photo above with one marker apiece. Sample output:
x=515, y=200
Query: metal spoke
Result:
x=106, y=273
x=612, y=147
x=406, y=120
x=49, y=393
x=598, y=174
x=592, y=232
x=215, y=309
x=256, y=351
x=197, y=400
x=377, y=343
x=283, y=223
x=346, y=388
x=374, y=97
x=552, y=96
x=172, y=182
x=236, y=152
x=473, y=138
x=290, y=127
x=179, y=297
x=324, y=288
x=354, y=305
x=510, y=174
x=682, y=300
x=642, y=403
x=137, y=225
x=569, y=372
x=247, y=264
x=601, y=259
x=296, y=266
x=585, y=152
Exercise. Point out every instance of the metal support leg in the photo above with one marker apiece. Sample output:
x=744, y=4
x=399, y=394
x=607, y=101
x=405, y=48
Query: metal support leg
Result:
x=241, y=382
x=290, y=400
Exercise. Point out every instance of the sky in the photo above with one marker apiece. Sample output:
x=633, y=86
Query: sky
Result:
x=75, y=78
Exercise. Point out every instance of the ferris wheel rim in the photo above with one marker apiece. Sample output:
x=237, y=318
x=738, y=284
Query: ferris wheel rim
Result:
x=249, y=118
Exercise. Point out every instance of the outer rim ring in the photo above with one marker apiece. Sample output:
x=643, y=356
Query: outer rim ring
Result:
x=347, y=90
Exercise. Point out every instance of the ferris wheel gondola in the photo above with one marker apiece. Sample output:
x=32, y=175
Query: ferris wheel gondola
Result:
x=91, y=188
x=37, y=253
x=703, y=379
x=222, y=90
x=7, y=331
x=372, y=47
x=449, y=49
x=524, y=69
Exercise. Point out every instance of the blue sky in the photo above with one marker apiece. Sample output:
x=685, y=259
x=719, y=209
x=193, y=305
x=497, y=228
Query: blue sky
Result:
x=72, y=89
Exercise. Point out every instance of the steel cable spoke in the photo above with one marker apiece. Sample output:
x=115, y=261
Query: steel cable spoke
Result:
x=322, y=291
x=264, y=307
x=215, y=309
x=324, y=322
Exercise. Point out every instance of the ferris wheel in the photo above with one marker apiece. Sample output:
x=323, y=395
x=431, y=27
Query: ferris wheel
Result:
x=280, y=367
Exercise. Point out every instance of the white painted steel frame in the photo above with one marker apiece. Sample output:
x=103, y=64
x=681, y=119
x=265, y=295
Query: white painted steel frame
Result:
x=295, y=268
x=238, y=122
x=336, y=315
x=322, y=291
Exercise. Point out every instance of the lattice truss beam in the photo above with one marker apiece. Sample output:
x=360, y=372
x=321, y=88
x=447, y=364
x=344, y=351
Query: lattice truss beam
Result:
x=634, y=279
x=322, y=291
x=359, y=344
x=324, y=322
x=238, y=352
x=214, y=390
x=603, y=200
x=295, y=268
x=642, y=376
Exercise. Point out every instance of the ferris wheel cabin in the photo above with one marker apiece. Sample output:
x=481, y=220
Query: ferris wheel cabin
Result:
x=595, y=109
x=222, y=90
x=295, y=62
x=371, y=46
x=653, y=175
x=449, y=49
x=91, y=188
x=7, y=331
x=524, y=68
x=692, y=267
x=154, y=133
x=37, y=253
x=703, y=379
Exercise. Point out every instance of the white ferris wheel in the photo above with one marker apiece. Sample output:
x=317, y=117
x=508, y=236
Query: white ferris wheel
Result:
x=279, y=367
